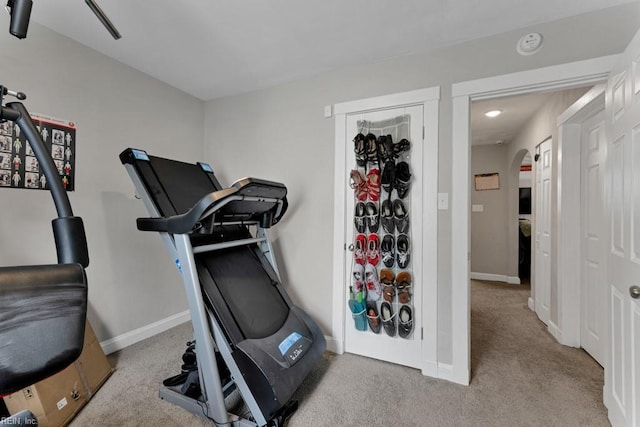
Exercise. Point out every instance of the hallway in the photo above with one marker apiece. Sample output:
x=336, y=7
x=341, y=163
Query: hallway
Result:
x=508, y=341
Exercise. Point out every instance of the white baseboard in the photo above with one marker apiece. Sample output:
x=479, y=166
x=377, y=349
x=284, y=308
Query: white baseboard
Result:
x=334, y=345
x=532, y=304
x=129, y=338
x=512, y=280
x=555, y=331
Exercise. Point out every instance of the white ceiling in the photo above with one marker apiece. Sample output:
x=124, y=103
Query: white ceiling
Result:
x=215, y=48
x=516, y=112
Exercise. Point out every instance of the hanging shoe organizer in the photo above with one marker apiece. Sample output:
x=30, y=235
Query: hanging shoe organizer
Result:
x=381, y=290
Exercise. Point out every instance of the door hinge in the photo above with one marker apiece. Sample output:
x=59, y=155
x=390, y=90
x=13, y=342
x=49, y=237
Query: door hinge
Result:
x=422, y=334
x=423, y=133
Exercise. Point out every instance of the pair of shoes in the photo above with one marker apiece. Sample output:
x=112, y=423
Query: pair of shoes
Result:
x=387, y=279
x=373, y=317
x=388, y=318
x=368, y=187
x=403, y=287
x=402, y=251
x=394, y=215
x=367, y=249
x=401, y=177
x=366, y=216
x=405, y=321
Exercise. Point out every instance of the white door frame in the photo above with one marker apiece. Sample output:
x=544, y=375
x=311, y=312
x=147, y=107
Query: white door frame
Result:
x=430, y=99
x=563, y=76
x=570, y=213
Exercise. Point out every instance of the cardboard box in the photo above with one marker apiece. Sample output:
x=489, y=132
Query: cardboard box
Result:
x=57, y=399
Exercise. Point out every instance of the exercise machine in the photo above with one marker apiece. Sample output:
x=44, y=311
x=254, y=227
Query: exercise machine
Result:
x=251, y=341
x=42, y=307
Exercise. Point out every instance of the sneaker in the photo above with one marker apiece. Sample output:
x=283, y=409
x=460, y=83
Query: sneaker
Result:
x=360, y=251
x=357, y=279
x=402, y=251
x=373, y=249
x=374, y=290
x=388, y=249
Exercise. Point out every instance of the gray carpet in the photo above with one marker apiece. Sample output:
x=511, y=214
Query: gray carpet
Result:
x=521, y=377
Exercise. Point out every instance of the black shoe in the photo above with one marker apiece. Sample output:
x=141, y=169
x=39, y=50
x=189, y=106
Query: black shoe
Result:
x=388, y=320
x=372, y=148
x=402, y=251
x=402, y=177
x=386, y=216
x=385, y=148
x=359, y=217
x=373, y=317
x=387, y=178
x=360, y=149
x=400, y=216
x=400, y=147
x=405, y=321
x=373, y=217
x=388, y=249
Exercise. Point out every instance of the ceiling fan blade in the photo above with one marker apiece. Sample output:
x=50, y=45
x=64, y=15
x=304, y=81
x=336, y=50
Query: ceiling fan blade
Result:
x=103, y=18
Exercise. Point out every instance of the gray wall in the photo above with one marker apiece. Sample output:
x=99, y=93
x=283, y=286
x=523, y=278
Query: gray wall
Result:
x=489, y=253
x=281, y=133
x=131, y=281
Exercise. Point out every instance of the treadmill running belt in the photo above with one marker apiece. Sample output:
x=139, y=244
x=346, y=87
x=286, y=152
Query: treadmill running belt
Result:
x=246, y=288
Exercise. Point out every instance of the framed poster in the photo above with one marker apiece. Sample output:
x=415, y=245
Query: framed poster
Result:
x=19, y=167
x=487, y=181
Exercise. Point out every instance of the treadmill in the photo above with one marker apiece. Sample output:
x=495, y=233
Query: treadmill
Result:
x=251, y=341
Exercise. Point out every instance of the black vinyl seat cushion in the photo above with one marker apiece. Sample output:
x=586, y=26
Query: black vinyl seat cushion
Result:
x=42, y=321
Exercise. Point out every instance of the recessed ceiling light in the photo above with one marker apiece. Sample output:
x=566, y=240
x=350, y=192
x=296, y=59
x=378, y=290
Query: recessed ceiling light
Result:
x=493, y=113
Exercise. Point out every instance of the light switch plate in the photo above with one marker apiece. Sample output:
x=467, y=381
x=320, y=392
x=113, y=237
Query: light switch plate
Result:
x=477, y=208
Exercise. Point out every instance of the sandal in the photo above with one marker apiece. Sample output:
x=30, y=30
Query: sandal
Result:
x=405, y=321
x=387, y=247
x=401, y=146
x=373, y=317
x=385, y=148
x=401, y=179
x=387, y=280
x=403, y=286
x=372, y=148
x=359, y=185
x=359, y=149
x=387, y=316
x=402, y=251
x=373, y=184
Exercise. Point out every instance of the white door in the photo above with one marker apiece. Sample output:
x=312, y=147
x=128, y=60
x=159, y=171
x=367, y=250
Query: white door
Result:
x=622, y=373
x=405, y=351
x=542, y=224
x=593, y=288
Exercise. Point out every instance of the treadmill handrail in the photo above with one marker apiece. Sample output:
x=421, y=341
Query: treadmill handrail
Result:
x=208, y=205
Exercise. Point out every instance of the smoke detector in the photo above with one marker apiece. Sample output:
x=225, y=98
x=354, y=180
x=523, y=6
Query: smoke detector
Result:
x=529, y=44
